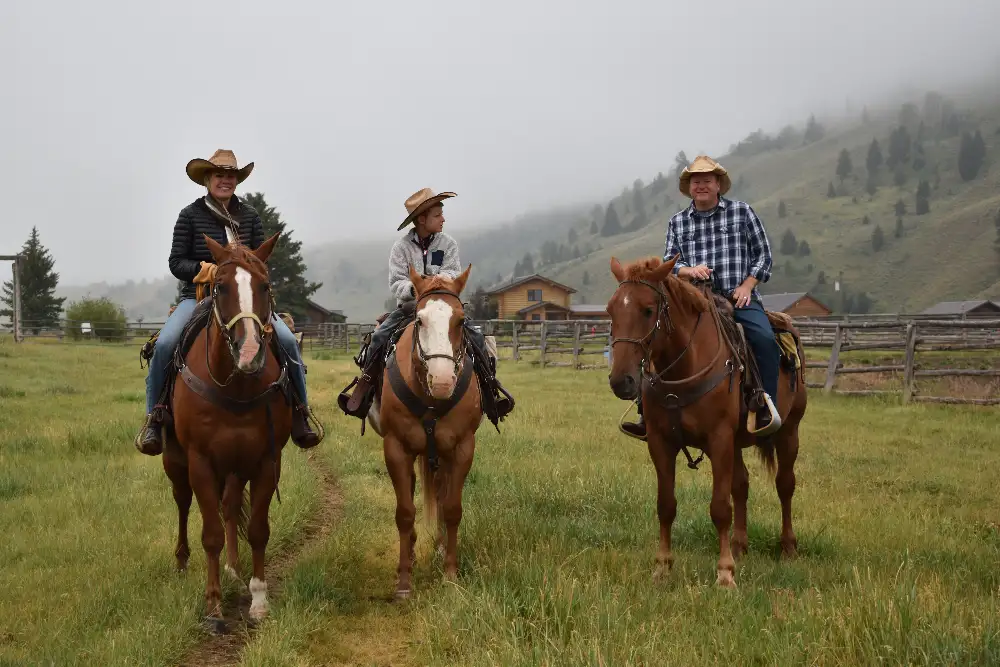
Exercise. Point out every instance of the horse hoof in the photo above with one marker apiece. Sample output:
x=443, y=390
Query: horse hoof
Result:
x=258, y=612
x=725, y=579
x=215, y=624
x=402, y=595
x=789, y=553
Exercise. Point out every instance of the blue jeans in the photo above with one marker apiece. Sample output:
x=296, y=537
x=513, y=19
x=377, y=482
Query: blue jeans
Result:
x=760, y=336
x=170, y=336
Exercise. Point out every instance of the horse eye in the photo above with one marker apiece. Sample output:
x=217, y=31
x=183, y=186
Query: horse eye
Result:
x=648, y=312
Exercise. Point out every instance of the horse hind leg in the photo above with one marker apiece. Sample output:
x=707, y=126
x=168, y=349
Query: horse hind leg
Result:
x=787, y=451
x=175, y=465
x=259, y=532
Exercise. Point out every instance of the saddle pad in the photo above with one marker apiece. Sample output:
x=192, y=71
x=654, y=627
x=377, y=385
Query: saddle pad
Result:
x=786, y=341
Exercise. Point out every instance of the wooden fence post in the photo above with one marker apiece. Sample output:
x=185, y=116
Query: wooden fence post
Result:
x=541, y=344
x=576, y=345
x=16, y=310
x=909, y=373
x=831, y=369
x=516, y=355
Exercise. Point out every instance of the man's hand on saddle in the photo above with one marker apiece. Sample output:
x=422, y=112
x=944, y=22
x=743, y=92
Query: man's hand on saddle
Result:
x=741, y=295
x=693, y=273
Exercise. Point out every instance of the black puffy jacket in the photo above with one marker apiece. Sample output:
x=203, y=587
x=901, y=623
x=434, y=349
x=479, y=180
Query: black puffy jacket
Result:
x=189, y=249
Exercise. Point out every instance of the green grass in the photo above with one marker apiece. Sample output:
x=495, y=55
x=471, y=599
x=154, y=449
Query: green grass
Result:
x=895, y=513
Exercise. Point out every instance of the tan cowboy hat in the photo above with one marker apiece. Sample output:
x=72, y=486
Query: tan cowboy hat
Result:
x=705, y=165
x=221, y=159
x=420, y=201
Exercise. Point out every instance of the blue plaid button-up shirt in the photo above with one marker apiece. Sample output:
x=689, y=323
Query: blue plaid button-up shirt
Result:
x=729, y=239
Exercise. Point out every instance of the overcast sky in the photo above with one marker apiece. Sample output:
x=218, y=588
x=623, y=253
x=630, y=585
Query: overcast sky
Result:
x=347, y=108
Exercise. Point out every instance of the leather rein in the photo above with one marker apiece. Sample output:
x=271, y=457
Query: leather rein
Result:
x=669, y=391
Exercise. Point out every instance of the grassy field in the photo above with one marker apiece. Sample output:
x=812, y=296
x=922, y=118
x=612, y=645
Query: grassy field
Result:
x=896, y=515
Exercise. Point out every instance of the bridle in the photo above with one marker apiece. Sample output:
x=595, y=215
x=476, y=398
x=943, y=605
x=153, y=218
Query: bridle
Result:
x=418, y=352
x=646, y=342
x=226, y=329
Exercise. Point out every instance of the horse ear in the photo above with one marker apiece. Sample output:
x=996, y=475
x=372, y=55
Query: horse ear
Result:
x=217, y=249
x=416, y=279
x=462, y=279
x=263, y=251
x=661, y=272
x=616, y=269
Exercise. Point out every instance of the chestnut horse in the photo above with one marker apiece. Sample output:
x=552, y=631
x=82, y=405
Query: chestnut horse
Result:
x=674, y=342
x=231, y=419
x=428, y=407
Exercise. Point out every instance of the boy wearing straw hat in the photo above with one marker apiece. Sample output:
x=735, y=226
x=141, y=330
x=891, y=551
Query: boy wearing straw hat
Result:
x=723, y=241
x=430, y=251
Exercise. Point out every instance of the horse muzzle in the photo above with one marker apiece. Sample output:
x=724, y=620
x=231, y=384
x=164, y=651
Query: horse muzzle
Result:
x=624, y=386
x=248, y=353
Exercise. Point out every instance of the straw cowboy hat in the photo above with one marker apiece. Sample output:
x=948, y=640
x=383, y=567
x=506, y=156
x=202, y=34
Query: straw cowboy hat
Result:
x=420, y=201
x=705, y=165
x=221, y=159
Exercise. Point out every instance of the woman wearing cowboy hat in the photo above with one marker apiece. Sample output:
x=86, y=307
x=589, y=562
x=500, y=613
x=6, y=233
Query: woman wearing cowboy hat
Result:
x=430, y=252
x=221, y=215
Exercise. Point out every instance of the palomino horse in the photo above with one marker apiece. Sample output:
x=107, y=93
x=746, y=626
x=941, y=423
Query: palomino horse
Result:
x=428, y=407
x=231, y=419
x=673, y=341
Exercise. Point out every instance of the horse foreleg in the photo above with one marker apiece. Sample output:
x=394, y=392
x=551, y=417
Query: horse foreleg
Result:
x=787, y=450
x=400, y=467
x=720, y=452
x=259, y=531
x=175, y=465
x=206, y=490
x=451, y=506
x=232, y=504
x=665, y=462
x=741, y=491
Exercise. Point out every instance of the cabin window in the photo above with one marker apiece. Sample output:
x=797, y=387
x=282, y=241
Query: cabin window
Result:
x=536, y=317
x=534, y=295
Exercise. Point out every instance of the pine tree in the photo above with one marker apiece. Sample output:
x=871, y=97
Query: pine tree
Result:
x=870, y=186
x=866, y=220
x=612, y=225
x=844, y=166
x=874, y=159
x=586, y=278
x=782, y=209
x=572, y=236
x=527, y=265
x=804, y=248
x=594, y=228
x=996, y=224
x=878, y=239
x=900, y=208
x=285, y=266
x=814, y=131
x=970, y=155
x=40, y=307
x=899, y=228
x=923, y=198
x=789, y=244
x=831, y=192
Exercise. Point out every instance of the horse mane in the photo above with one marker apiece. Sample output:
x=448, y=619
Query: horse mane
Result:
x=439, y=282
x=682, y=292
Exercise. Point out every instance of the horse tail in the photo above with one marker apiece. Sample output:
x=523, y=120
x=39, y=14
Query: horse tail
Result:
x=765, y=450
x=429, y=484
x=243, y=516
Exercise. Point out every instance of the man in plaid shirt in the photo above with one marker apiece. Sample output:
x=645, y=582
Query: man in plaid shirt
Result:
x=723, y=240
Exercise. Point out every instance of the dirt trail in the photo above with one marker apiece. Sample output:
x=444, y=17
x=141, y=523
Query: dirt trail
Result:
x=223, y=650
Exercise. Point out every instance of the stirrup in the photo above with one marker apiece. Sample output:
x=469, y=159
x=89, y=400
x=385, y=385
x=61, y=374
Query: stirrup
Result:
x=771, y=426
x=621, y=423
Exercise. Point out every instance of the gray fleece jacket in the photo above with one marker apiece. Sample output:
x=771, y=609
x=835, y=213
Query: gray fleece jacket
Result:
x=440, y=257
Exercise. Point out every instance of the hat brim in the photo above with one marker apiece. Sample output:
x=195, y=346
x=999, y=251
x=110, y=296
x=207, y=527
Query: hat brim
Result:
x=198, y=167
x=436, y=199
x=724, y=181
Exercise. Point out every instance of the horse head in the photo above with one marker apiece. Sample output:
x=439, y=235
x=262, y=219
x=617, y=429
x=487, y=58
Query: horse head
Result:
x=242, y=303
x=638, y=309
x=438, y=337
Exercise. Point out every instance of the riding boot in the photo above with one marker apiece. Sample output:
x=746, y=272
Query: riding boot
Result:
x=302, y=433
x=148, y=440
x=636, y=429
x=504, y=402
